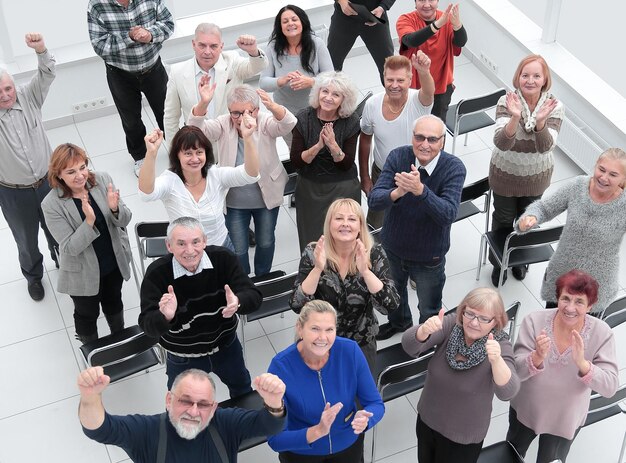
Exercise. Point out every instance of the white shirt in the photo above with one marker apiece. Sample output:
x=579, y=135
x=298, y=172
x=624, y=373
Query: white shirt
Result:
x=199, y=73
x=209, y=209
x=391, y=134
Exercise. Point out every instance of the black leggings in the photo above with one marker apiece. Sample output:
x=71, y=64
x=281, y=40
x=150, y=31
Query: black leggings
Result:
x=352, y=454
x=550, y=447
x=433, y=447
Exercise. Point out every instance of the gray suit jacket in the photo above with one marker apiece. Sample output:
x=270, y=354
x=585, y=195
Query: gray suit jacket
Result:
x=79, y=273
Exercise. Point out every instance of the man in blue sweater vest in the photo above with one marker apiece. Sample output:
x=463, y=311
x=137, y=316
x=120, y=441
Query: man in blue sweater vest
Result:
x=420, y=186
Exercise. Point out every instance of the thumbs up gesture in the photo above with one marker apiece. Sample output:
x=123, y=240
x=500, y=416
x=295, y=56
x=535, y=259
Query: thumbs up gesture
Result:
x=430, y=326
x=232, y=303
x=168, y=304
x=493, y=349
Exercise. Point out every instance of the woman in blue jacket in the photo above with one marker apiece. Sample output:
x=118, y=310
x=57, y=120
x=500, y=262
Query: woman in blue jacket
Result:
x=324, y=374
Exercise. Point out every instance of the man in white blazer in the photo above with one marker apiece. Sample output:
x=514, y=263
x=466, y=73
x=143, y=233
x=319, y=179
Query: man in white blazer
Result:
x=225, y=68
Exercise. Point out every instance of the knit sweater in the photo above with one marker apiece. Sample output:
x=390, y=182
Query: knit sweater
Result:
x=418, y=227
x=522, y=165
x=198, y=325
x=554, y=399
x=344, y=378
x=293, y=100
x=457, y=403
x=590, y=241
x=354, y=303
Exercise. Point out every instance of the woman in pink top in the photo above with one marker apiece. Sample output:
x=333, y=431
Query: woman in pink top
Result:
x=561, y=355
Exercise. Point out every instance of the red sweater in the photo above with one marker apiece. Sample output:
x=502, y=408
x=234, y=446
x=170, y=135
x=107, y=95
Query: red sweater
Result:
x=439, y=49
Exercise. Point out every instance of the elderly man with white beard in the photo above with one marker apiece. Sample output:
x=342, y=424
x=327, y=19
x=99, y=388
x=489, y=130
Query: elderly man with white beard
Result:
x=192, y=429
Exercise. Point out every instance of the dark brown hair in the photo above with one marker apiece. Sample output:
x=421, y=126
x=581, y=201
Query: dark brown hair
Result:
x=190, y=137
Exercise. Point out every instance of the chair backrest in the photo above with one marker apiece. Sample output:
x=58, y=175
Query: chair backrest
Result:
x=601, y=408
x=475, y=190
x=478, y=103
x=398, y=373
x=511, y=313
x=150, y=241
x=615, y=313
x=249, y=401
x=359, y=108
x=534, y=238
x=276, y=293
x=122, y=354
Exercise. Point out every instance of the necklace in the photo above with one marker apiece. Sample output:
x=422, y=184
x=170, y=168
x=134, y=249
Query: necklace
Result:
x=398, y=111
x=195, y=184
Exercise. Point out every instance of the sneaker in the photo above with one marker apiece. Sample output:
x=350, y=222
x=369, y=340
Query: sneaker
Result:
x=137, y=167
x=36, y=291
x=520, y=272
x=412, y=283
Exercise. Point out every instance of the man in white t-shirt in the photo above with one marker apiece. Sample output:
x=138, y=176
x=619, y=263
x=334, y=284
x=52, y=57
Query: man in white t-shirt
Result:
x=389, y=117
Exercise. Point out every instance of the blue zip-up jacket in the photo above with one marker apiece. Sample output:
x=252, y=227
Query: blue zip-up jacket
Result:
x=344, y=377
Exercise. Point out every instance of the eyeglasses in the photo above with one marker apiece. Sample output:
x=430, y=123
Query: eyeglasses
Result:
x=186, y=403
x=480, y=318
x=431, y=140
x=238, y=114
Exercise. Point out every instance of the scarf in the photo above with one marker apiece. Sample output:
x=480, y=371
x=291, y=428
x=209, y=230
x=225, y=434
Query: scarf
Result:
x=530, y=119
x=475, y=354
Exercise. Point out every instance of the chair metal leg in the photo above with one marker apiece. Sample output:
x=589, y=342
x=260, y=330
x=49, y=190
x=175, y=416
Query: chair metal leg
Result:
x=242, y=323
x=621, y=454
x=483, y=244
x=504, y=266
x=465, y=142
x=374, y=443
x=135, y=275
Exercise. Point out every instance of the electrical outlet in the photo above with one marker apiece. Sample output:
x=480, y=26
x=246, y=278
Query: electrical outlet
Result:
x=90, y=105
x=491, y=65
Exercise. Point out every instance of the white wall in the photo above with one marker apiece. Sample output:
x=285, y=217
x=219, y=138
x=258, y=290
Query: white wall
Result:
x=591, y=32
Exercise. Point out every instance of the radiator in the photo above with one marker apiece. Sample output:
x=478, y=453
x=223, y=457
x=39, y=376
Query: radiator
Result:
x=575, y=139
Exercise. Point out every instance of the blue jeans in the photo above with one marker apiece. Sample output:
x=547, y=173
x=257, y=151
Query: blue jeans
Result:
x=238, y=223
x=429, y=281
x=227, y=364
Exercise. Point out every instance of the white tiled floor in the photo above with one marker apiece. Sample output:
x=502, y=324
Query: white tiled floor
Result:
x=38, y=396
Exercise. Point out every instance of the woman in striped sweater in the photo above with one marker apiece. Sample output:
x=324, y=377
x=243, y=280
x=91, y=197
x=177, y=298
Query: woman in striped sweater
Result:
x=528, y=121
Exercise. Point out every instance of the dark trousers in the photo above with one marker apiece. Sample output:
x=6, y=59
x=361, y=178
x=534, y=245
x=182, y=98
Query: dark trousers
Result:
x=352, y=454
x=375, y=218
x=507, y=209
x=87, y=308
x=441, y=103
x=22, y=211
x=227, y=364
x=433, y=447
x=550, y=447
x=126, y=89
x=344, y=31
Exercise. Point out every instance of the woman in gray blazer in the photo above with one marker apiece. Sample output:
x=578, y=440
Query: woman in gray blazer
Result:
x=86, y=216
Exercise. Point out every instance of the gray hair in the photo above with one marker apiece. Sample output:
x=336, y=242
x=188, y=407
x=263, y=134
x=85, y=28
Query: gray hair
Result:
x=344, y=85
x=208, y=28
x=317, y=306
x=431, y=117
x=185, y=222
x=4, y=72
x=194, y=373
x=615, y=154
x=243, y=93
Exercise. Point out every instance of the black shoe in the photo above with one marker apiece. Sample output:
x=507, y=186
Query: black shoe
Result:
x=520, y=272
x=387, y=330
x=36, y=291
x=251, y=238
x=495, y=275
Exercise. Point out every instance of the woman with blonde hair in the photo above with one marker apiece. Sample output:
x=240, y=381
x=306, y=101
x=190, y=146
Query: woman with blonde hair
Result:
x=595, y=227
x=325, y=375
x=346, y=268
x=473, y=360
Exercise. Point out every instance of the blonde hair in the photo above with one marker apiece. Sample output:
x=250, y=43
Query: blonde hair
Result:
x=314, y=306
x=332, y=256
x=615, y=154
x=484, y=299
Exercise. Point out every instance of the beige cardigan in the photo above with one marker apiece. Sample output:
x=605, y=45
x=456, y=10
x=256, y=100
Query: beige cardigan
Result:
x=273, y=174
